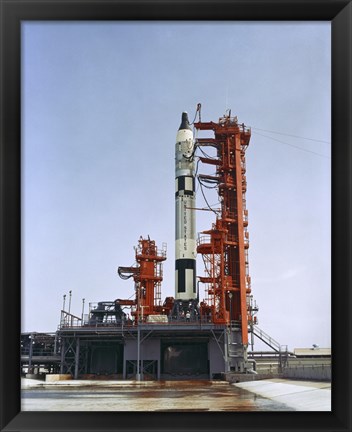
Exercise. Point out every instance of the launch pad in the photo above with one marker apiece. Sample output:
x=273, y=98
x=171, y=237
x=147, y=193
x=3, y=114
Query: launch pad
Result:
x=183, y=336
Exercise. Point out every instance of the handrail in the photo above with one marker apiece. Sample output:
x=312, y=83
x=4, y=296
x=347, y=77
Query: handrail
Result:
x=266, y=338
x=204, y=239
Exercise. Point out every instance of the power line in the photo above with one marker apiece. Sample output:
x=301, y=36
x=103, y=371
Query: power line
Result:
x=294, y=136
x=294, y=146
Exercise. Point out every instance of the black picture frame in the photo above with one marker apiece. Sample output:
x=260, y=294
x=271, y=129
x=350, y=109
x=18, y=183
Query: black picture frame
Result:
x=12, y=13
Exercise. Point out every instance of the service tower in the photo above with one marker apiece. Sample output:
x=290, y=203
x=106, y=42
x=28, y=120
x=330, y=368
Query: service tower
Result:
x=185, y=238
x=225, y=246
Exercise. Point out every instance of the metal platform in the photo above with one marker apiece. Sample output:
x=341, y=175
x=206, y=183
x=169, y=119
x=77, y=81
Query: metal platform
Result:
x=117, y=350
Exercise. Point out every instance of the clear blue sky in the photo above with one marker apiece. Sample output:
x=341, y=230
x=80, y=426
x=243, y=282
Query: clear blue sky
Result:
x=102, y=103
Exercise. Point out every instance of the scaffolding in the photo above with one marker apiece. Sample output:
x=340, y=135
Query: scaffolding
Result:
x=224, y=247
x=147, y=275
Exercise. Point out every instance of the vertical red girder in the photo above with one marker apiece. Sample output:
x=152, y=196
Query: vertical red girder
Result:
x=226, y=251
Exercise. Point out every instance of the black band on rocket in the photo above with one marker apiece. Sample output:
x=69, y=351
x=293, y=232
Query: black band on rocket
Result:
x=184, y=192
x=182, y=183
x=181, y=266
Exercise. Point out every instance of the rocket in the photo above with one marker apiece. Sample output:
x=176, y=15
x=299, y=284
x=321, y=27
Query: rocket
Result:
x=185, y=238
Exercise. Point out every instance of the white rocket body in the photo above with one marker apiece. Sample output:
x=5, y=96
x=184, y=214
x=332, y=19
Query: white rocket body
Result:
x=186, y=248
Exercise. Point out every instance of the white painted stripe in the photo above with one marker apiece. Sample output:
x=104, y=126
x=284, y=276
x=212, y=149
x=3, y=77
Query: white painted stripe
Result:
x=186, y=249
x=189, y=281
x=188, y=183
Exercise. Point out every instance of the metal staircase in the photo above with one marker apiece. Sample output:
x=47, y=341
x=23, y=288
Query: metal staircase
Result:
x=264, y=337
x=273, y=344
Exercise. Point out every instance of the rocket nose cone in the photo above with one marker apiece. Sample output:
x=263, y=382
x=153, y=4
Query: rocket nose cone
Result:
x=184, y=122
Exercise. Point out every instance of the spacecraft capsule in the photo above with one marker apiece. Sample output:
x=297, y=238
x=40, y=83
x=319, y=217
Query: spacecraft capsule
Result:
x=186, y=248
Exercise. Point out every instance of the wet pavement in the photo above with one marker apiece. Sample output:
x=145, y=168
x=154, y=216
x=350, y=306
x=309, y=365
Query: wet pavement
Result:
x=300, y=395
x=169, y=396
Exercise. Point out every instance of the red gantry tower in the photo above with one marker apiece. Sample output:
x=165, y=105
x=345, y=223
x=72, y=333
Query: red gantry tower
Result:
x=225, y=246
x=147, y=275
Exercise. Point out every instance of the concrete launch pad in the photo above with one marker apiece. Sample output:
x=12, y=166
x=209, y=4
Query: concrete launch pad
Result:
x=299, y=395
x=92, y=395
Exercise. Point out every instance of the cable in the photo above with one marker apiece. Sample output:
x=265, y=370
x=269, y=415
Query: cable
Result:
x=127, y=272
x=195, y=175
x=191, y=157
x=291, y=145
x=202, y=181
x=199, y=106
x=206, y=155
x=294, y=136
x=201, y=188
x=209, y=180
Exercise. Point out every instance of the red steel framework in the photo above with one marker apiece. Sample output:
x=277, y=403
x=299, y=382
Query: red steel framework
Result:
x=225, y=246
x=147, y=276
